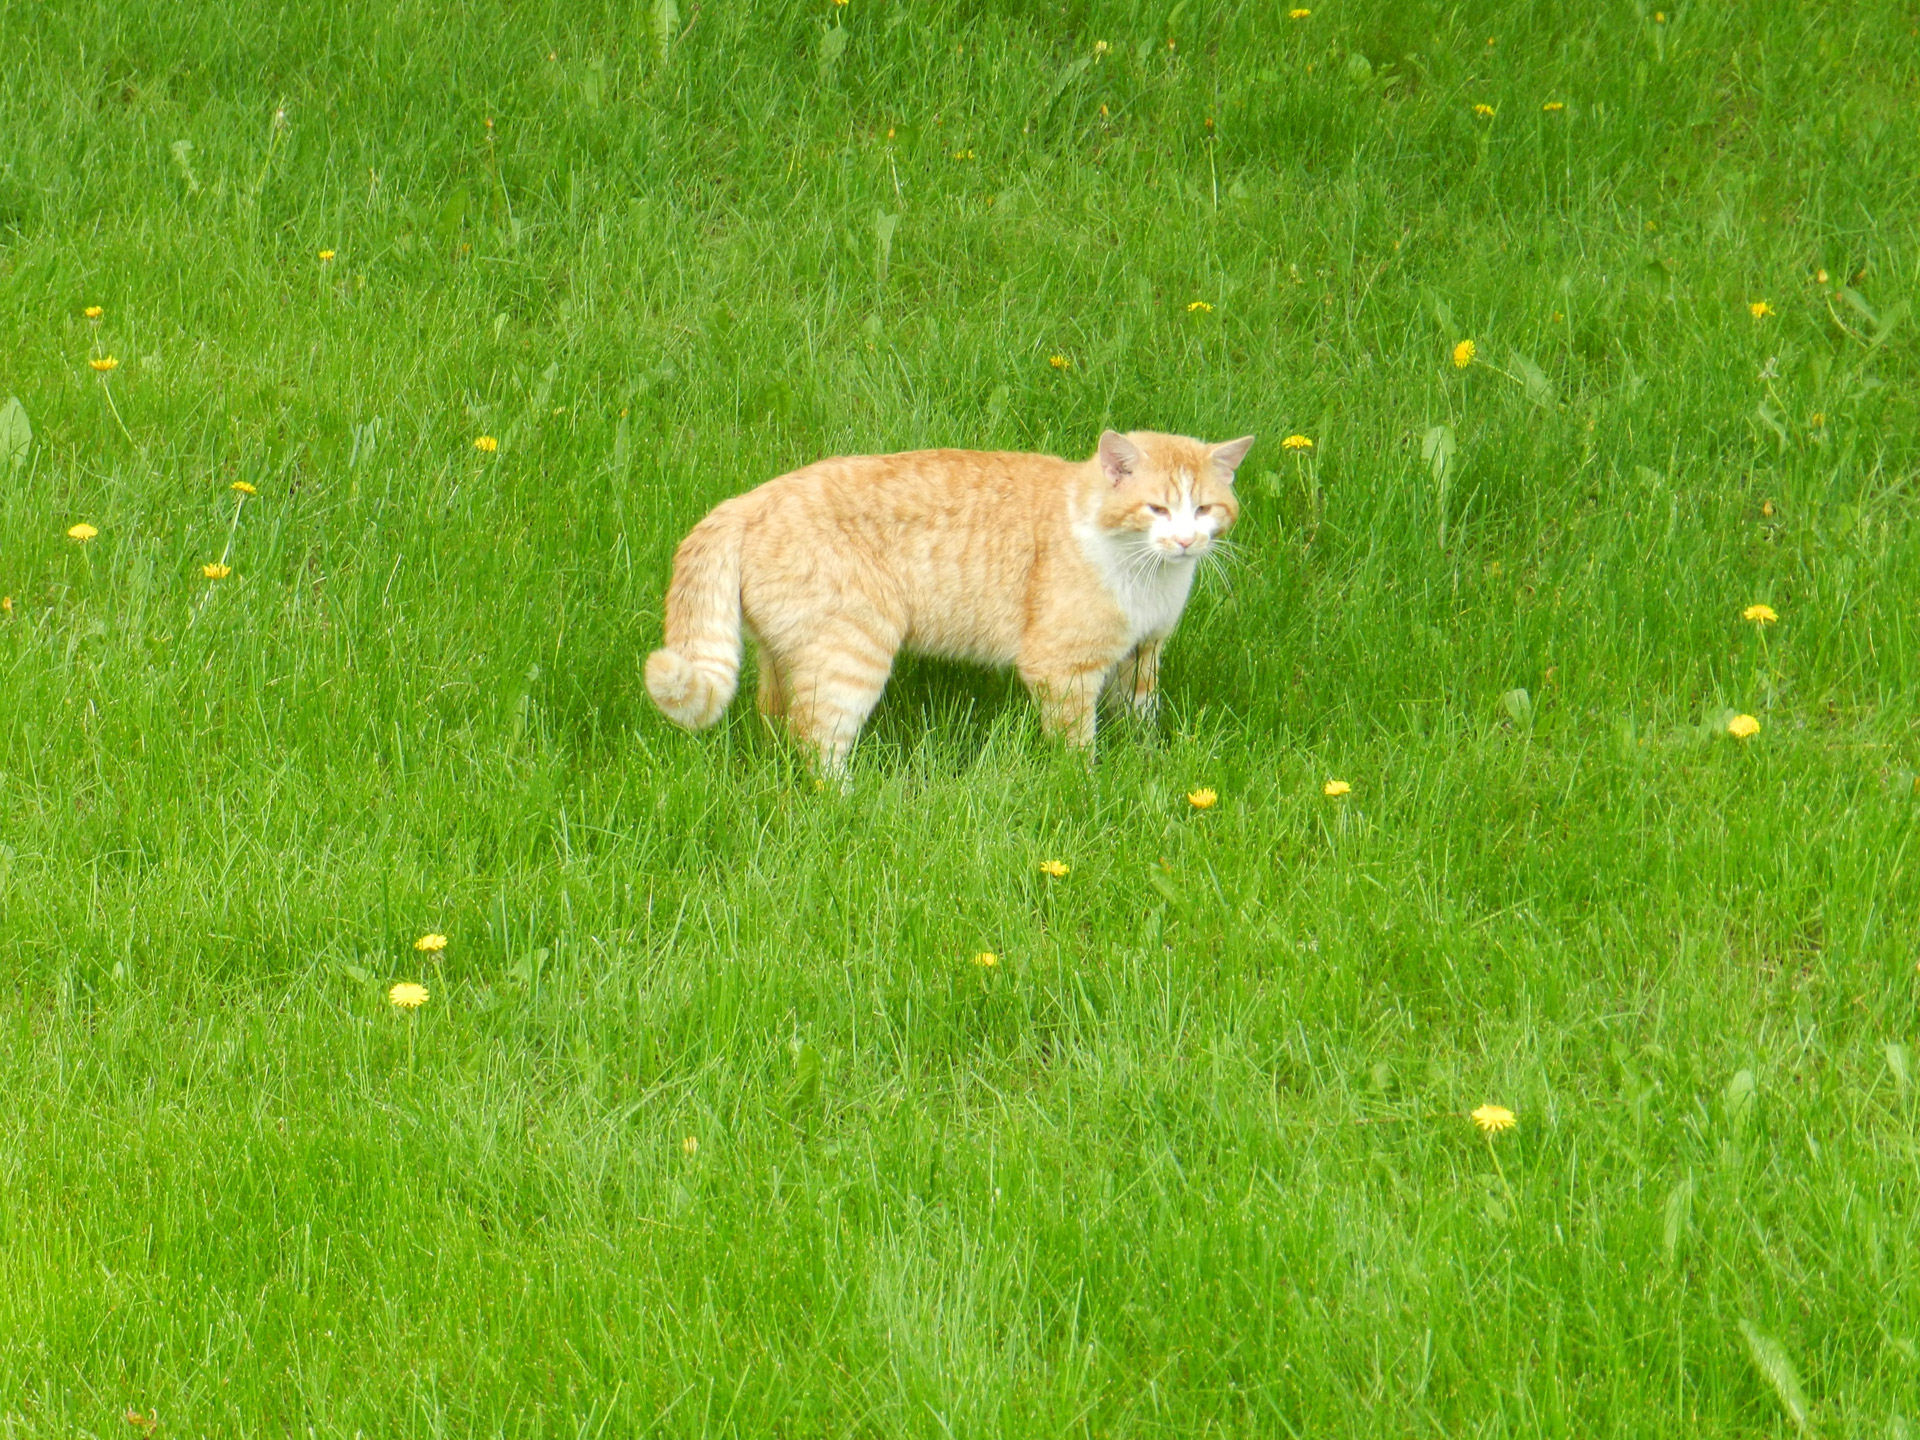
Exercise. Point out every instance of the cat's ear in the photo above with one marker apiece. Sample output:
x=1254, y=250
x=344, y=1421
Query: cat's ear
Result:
x=1227, y=457
x=1119, y=456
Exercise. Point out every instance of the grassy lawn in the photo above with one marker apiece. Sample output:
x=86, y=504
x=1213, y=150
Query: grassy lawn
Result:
x=711, y=1124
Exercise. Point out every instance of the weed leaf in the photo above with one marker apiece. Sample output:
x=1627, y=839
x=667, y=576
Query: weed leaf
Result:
x=1771, y=1359
x=1678, y=1218
x=883, y=227
x=1738, y=1098
x=1437, y=450
x=1539, y=388
x=16, y=434
x=666, y=20
x=833, y=44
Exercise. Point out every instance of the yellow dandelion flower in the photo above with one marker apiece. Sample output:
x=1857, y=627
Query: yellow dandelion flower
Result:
x=1554, y=105
x=1760, y=309
x=1335, y=788
x=216, y=571
x=1743, y=727
x=986, y=960
x=486, y=444
x=1200, y=305
x=104, y=363
x=6, y=604
x=1759, y=614
x=82, y=531
x=1296, y=442
x=325, y=256
x=1055, y=868
x=963, y=154
x=1766, y=507
x=1298, y=14
x=692, y=1144
x=1202, y=799
x=1492, y=1119
x=1463, y=354
x=430, y=943
x=1100, y=47
x=1659, y=17
x=1818, y=419
x=244, y=487
x=93, y=312
x=407, y=995
x=1819, y=278
x=1485, y=112
x=1060, y=362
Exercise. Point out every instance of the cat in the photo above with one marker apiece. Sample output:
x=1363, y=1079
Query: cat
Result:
x=1074, y=572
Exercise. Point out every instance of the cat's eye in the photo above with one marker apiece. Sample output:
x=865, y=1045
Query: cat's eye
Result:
x=1201, y=511
x=1160, y=510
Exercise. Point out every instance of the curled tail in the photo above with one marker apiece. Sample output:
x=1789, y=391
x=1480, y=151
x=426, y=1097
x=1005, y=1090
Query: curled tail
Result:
x=692, y=678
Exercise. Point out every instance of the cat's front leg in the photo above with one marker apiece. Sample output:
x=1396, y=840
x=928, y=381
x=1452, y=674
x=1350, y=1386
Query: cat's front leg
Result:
x=1069, y=703
x=1142, y=670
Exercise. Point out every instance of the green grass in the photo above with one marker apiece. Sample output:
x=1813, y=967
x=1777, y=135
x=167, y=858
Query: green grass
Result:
x=1194, y=1157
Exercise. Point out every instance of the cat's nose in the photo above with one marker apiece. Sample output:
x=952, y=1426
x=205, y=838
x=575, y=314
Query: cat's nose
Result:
x=1187, y=541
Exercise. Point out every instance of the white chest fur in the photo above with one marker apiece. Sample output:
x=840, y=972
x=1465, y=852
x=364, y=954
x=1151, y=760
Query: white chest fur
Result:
x=1151, y=591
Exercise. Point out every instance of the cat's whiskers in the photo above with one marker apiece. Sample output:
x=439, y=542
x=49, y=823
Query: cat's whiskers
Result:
x=1223, y=559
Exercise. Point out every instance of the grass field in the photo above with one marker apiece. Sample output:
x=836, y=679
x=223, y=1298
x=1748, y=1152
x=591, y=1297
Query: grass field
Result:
x=711, y=1125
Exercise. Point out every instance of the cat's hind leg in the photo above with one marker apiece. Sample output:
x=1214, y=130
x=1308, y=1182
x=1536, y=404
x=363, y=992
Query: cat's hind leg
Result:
x=771, y=696
x=831, y=685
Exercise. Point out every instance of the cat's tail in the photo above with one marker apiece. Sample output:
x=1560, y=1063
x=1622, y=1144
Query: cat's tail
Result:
x=692, y=679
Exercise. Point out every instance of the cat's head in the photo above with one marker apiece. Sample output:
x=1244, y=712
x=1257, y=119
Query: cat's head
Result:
x=1170, y=496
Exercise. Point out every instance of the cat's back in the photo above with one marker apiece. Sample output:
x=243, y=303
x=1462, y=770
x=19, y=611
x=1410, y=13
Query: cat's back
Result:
x=918, y=487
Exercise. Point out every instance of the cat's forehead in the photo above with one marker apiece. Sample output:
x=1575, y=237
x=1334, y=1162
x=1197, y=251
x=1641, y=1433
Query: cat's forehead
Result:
x=1176, y=458
x=1184, y=474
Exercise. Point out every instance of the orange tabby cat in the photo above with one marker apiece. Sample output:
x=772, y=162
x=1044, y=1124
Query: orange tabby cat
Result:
x=1075, y=572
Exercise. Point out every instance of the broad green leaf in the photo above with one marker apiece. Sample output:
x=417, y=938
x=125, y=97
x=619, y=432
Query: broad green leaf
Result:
x=1890, y=321
x=1539, y=388
x=1065, y=78
x=543, y=392
x=453, y=210
x=1772, y=422
x=1858, y=304
x=1437, y=450
x=1738, y=1097
x=883, y=227
x=1678, y=1218
x=1771, y=1359
x=16, y=434
x=182, y=152
x=666, y=24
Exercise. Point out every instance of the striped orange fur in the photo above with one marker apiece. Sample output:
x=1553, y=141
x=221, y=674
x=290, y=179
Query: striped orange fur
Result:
x=1074, y=572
